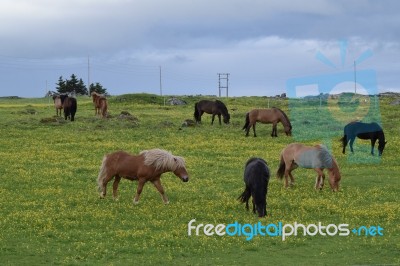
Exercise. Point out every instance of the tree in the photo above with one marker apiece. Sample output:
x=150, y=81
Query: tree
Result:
x=75, y=85
x=61, y=85
x=81, y=88
x=97, y=88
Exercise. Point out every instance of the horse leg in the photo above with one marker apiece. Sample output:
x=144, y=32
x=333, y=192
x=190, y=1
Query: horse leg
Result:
x=254, y=129
x=212, y=119
x=104, y=186
x=319, y=184
x=373, y=140
x=219, y=119
x=115, y=187
x=157, y=184
x=352, y=139
x=142, y=181
x=273, y=134
x=254, y=205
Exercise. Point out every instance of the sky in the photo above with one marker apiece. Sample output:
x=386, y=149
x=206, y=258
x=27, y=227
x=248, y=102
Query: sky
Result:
x=177, y=47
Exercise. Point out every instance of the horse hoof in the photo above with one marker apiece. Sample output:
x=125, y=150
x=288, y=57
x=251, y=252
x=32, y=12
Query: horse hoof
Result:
x=166, y=202
x=135, y=202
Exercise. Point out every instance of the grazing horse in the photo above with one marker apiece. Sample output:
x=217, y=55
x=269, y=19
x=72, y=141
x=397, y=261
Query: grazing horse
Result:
x=317, y=158
x=70, y=107
x=266, y=116
x=57, y=104
x=256, y=178
x=100, y=104
x=147, y=166
x=371, y=131
x=211, y=107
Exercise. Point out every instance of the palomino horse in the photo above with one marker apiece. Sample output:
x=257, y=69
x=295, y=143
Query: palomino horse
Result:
x=256, y=178
x=211, y=107
x=147, y=166
x=57, y=104
x=317, y=157
x=371, y=131
x=100, y=104
x=70, y=107
x=266, y=116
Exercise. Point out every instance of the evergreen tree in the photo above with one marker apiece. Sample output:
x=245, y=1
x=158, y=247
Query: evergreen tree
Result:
x=81, y=88
x=98, y=88
x=72, y=84
x=61, y=85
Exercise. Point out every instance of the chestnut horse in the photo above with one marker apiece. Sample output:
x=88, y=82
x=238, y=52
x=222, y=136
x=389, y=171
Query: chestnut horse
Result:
x=100, y=104
x=266, y=116
x=57, y=104
x=147, y=166
x=317, y=157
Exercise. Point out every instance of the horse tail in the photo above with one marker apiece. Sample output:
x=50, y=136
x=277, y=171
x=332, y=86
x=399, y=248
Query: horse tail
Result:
x=196, y=113
x=104, y=108
x=102, y=174
x=245, y=196
x=344, y=140
x=281, y=169
x=247, y=122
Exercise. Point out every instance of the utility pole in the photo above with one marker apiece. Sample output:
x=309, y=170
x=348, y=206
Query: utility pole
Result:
x=160, y=82
x=223, y=76
x=88, y=75
x=355, y=78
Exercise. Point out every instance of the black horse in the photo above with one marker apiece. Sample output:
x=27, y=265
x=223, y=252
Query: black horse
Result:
x=256, y=178
x=211, y=107
x=371, y=131
x=70, y=107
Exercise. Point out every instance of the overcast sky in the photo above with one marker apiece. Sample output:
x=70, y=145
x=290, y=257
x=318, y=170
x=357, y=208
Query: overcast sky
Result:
x=261, y=43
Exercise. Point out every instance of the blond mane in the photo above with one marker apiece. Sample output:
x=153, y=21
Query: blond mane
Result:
x=161, y=159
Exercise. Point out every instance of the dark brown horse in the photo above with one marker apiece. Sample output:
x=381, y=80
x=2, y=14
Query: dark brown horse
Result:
x=211, y=107
x=100, y=104
x=371, y=131
x=147, y=166
x=57, y=104
x=70, y=107
x=267, y=116
x=316, y=157
x=256, y=178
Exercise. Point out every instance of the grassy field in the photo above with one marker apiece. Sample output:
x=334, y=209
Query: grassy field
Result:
x=51, y=212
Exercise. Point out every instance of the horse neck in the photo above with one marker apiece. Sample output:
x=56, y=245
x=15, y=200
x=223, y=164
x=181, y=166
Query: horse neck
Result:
x=335, y=169
x=381, y=137
x=283, y=118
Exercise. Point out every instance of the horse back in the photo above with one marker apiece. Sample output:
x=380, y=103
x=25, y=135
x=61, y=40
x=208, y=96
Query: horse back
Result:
x=359, y=128
x=127, y=165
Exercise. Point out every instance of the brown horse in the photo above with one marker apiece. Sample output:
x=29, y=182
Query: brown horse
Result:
x=147, y=166
x=100, y=104
x=266, y=116
x=211, y=107
x=69, y=106
x=58, y=104
x=317, y=157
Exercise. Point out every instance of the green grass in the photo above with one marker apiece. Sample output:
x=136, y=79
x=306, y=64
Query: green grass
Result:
x=51, y=212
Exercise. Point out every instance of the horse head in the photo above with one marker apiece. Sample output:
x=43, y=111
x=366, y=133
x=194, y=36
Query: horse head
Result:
x=227, y=117
x=381, y=147
x=288, y=130
x=180, y=171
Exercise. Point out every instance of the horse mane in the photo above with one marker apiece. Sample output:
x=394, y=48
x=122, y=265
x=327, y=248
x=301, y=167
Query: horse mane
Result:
x=222, y=106
x=162, y=159
x=285, y=116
